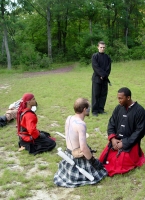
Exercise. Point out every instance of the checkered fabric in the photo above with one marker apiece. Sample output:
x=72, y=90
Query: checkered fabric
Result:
x=70, y=177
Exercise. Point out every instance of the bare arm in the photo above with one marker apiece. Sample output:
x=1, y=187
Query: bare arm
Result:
x=82, y=140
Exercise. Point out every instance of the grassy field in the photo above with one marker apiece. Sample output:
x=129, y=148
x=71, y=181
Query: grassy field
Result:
x=23, y=176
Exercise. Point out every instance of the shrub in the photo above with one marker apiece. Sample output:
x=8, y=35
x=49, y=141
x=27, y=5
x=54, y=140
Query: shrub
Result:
x=119, y=51
x=137, y=52
x=44, y=62
x=3, y=61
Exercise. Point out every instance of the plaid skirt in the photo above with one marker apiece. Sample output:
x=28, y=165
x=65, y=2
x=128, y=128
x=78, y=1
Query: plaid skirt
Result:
x=70, y=177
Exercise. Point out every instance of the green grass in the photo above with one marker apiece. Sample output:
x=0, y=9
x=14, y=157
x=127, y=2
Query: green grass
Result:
x=55, y=94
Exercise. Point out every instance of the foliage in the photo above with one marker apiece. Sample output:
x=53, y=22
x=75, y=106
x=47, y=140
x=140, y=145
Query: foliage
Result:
x=137, y=52
x=30, y=59
x=119, y=52
x=2, y=60
x=75, y=27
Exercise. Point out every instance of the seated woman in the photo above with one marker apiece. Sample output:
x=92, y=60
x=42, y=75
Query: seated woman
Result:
x=30, y=137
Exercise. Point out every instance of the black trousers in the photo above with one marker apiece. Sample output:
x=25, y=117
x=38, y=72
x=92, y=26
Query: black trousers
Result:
x=99, y=96
x=3, y=121
x=39, y=145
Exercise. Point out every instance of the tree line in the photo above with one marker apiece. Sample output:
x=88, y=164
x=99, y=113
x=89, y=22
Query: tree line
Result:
x=35, y=33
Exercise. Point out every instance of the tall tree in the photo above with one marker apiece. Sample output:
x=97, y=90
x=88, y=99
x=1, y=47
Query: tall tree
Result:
x=4, y=28
x=43, y=9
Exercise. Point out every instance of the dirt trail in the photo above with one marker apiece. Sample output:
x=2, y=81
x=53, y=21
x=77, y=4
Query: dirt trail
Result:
x=54, y=71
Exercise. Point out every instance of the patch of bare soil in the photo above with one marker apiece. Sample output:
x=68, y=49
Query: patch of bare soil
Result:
x=55, y=194
x=5, y=87
x=55, y=71
x=45, y=193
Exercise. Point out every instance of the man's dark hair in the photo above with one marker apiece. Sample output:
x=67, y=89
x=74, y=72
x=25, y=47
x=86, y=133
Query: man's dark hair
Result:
x=80, y=104
x=125, y=90
x=101, y=42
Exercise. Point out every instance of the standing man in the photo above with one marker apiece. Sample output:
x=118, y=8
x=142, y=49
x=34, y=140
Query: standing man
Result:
x=75, y=131
x=126, y=128
x=101, y=64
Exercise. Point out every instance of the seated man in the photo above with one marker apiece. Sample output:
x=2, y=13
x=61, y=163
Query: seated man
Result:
x=11, y=113
x=31, y=138
x=126, y=128
x=75, y=131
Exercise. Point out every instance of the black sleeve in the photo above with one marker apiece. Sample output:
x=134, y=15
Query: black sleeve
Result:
x=109, y=66
x=139, y=131
x=113, y=122
x=97, y=69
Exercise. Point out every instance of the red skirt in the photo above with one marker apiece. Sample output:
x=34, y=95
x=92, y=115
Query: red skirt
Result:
x=125, y=162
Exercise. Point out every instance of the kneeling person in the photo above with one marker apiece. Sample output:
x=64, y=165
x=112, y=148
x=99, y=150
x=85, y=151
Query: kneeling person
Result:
x=31, y=138
x=126, y=128
x=75, y=131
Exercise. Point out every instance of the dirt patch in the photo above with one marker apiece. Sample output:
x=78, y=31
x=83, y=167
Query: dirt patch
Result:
x=57, y=193
x=55, y=124
x=35, y=170
x=55, y=71
x=5, y=88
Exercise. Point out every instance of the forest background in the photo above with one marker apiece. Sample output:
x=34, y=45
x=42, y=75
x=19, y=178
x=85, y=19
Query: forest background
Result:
x=36, y=33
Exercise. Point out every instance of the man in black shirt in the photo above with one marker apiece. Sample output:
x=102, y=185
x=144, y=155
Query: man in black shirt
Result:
x=126, y=128
x=101, y=64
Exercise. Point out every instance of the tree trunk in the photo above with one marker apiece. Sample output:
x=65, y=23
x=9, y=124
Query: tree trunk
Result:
x=59, y=45
x=5, y=35
x=3, y=45
x=126, y=37
x=49, y=34
x=90, y=27
x=64, y=32
x=7, y=49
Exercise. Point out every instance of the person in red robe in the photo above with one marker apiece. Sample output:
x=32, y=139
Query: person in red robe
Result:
x=31, y=139
x=126, y=128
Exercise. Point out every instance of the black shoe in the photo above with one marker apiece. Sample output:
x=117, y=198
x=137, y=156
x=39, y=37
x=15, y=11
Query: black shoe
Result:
x=95, y=114
x=103, y=112
x=3, y=121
